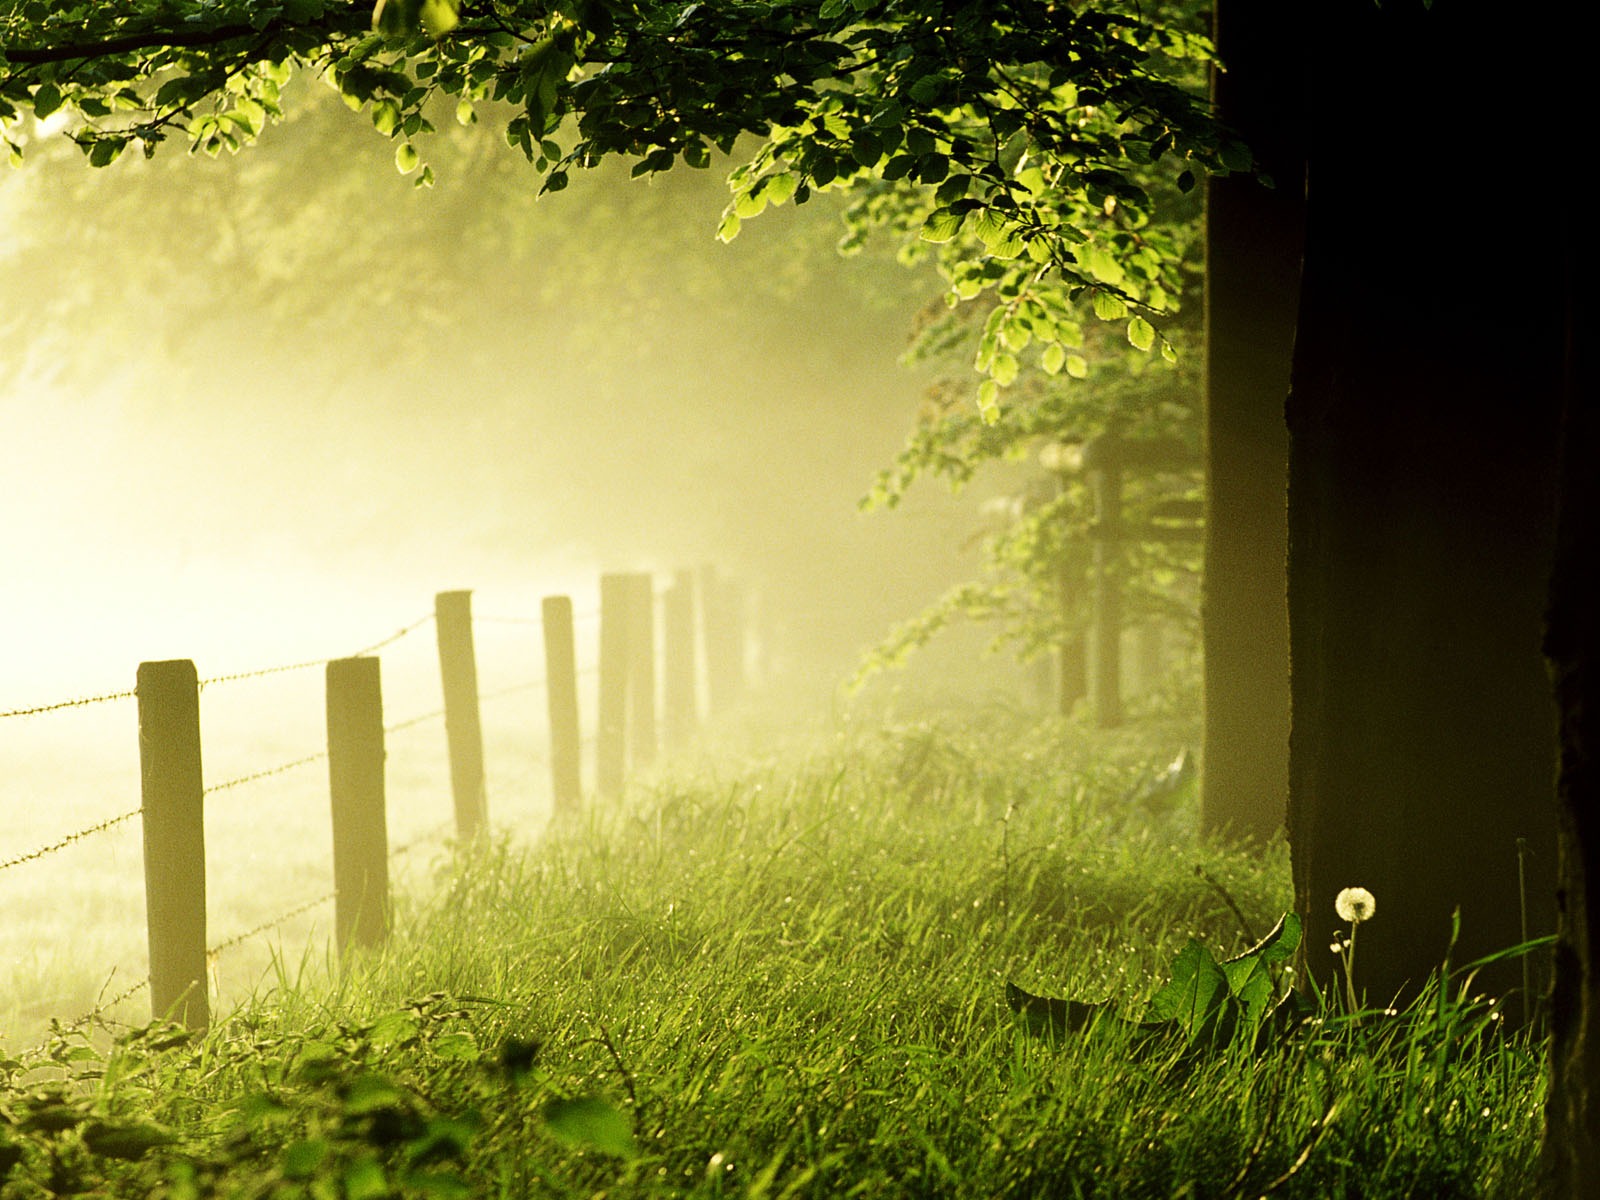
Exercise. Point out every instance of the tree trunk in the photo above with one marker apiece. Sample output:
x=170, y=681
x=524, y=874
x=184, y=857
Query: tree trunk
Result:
x=1572, y=1108
x=1253, y=245
x=1423, y=425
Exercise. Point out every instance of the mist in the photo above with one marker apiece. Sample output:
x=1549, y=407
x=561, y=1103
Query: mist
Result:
x=268, y=404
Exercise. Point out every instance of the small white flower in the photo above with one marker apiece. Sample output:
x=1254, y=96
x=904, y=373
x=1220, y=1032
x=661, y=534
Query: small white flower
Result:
x=1355, y=904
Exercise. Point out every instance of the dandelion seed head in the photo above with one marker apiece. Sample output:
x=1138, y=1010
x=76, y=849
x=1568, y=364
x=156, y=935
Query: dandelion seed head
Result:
x=1355, y=904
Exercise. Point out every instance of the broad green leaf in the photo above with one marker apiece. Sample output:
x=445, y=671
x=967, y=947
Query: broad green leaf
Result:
x=406, y=158
x=46, y=99
x=941, y=226
x=1141, y=334
x=439, y=17
x=302, y=1158
x=593, y=1124
x=780, y=187
x=729, y=229
x=386, y=117
x=1167, y=352
x=1108, y=306
x=125, y=1140
x=1053, y=358
x=1077, y=366
x=751, y=203
x=1004, y=369
x=1195, y=995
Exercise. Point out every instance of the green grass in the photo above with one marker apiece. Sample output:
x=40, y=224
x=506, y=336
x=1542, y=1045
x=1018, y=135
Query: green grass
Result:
x=789, y=980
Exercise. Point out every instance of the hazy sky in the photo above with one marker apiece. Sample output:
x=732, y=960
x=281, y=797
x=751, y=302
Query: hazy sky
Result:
x=268, y=405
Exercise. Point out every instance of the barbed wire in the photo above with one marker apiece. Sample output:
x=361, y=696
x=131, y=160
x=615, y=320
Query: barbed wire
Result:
x=515, y=688
x=81, y=702
x=69, y=839
x=103, y=1007
x=396, y=635
x=214, y=952
x=410, y=721
x=267, y=773
x=238, y=675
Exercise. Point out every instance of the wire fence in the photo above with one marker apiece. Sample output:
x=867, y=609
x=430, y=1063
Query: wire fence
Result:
x=246, y=778
x=242, y=780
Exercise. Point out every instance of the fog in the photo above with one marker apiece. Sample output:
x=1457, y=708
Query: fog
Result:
x=263, y=407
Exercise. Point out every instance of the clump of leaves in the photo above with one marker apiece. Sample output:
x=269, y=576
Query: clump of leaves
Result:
x=1207, y=1004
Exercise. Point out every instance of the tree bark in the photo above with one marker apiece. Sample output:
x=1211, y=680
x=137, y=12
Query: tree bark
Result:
x=1423, y=423
x=1253, y=248
x=1572, y=1107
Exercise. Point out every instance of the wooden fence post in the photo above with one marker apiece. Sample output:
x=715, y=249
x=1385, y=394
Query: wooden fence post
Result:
x=611, y=746
x=356, y=785
x=173, y=801
x=642, y=741
x=561, y=691
x=458, y=668
x=680, y=706
x=1103, y=461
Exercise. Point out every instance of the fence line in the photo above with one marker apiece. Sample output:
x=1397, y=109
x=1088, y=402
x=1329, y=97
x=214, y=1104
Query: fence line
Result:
x=266, y=774
x=81, y=702
x=98, y=827
x=455, y=659
x=395, y=636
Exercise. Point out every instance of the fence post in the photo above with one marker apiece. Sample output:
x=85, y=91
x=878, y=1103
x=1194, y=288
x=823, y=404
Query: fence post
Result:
x=680, y=708
x=1103, y=461
x=723, y=617
x=356, y=785
x=458, y=669
x=642, y=742
x=611, y=747
x=561, y=690
x=173, y=801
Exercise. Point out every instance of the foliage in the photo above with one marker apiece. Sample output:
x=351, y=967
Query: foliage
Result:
x=1036, y=583
x=1024, y=133
x=787, y=979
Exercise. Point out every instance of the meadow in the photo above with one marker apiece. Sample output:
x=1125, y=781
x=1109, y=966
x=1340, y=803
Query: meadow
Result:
x=789, y=977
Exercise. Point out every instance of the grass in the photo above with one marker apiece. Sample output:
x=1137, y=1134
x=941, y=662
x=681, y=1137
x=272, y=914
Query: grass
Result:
x=789, y=980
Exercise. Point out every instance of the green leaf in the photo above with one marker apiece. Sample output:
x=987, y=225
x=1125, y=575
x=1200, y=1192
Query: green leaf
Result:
x=1195, y=996
x=1109, y=306
x=302, y=1158
x=128, y=1141
x=1141, y=334
x=941, y=226
x=593, y=1124
x=1236, y=156
x=729, y=229
x=406, y=158
x=386, y=117
x=1053, y=358
x=1077, y=366
x=439, y=17
x=46, y=99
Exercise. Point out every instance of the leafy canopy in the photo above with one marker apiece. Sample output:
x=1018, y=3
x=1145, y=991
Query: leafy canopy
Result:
x=1021, y=136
